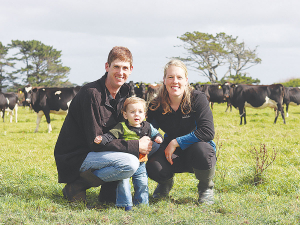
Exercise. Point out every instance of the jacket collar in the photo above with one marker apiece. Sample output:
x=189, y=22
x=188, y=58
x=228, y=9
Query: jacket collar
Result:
x=123, y=92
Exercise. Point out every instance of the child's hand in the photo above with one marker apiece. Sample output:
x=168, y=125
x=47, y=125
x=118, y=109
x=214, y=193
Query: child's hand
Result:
x=98, y=139
x=158, y=140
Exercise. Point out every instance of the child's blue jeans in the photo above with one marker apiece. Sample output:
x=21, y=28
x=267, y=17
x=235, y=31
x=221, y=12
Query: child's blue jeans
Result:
x=140, y=184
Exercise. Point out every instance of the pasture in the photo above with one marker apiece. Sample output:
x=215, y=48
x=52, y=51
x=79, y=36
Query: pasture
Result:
x=30, y=194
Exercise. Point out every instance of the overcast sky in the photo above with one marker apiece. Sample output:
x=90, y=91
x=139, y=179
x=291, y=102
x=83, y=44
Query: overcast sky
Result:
x=85, y=31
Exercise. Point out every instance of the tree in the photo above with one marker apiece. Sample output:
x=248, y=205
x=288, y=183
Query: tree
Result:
x=43, y=65
x=240, y=58
x=206, y=53
x=295, y=82
x=4, y=75
x=240, y=79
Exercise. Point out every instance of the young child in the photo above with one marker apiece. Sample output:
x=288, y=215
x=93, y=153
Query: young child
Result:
x=134, y=112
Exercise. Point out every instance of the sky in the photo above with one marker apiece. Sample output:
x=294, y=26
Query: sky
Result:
x=86, y=30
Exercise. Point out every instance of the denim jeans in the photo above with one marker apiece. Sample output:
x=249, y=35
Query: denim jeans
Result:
x=111, y=166
x=140, y=184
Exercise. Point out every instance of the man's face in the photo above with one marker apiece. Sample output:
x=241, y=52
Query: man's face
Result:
x=118, y=73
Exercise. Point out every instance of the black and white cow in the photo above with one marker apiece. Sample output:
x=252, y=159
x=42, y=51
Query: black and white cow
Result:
x=258, y=96
x=291, y=97
x=215, y=93
x=140, y=90
x=9, y=103
x=51, y=100
x=3, y=104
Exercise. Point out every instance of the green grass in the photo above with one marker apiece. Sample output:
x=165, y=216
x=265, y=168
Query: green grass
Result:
x=30, y=194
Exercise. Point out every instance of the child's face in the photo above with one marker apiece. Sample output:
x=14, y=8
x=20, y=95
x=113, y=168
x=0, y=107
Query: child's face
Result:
x=135, y=114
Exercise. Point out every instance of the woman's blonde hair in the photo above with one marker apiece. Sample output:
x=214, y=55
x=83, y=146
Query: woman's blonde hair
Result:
x=163, y=98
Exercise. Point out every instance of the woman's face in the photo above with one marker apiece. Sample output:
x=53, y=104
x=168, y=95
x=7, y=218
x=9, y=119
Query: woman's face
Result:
x=175, y=81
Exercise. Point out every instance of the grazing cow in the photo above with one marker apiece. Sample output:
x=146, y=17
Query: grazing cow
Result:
x=9, y=103
x=291, y=96
x=140, y=90
x=153, y=91
x=3, y=104
x=51, y=100
x=258, y=96
x=215, y=93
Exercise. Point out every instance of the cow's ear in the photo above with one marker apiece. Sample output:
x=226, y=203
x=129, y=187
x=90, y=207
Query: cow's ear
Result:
x=233, y=85
x=220, y=86
x=34, y=89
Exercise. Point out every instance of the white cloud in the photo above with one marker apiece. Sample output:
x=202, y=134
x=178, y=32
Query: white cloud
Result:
x=85, y=31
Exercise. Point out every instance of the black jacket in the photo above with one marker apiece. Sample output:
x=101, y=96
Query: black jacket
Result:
x=90, y=114
x=176, y=124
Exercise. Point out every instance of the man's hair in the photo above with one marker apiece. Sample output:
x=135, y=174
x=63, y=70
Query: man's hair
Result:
x=133, y=100
x=121, y=53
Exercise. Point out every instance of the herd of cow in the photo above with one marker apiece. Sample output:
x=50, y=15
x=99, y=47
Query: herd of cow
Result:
x=57, y=100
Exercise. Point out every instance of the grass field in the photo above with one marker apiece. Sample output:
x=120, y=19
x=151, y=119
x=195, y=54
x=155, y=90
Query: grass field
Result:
x=30, y=194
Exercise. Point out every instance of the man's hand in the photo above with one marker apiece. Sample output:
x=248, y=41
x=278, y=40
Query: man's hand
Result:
x=145, y=145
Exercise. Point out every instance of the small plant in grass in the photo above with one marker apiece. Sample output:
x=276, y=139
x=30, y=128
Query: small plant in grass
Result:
x=222, y=168
x=263, y=160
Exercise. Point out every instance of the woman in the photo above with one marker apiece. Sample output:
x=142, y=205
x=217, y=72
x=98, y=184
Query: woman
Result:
x=185, y=117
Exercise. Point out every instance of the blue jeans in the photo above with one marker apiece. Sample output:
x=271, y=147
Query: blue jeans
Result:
x=111, y=166
x=140, y=184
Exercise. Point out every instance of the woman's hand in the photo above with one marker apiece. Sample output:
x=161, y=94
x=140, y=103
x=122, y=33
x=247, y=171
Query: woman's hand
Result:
x=170, y=149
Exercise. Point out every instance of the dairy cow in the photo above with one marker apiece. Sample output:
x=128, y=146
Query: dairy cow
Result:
x=51, y=100
x=258, y=96
x=9, y=103
x=140, y=90
x=291, y=97
x=215, y=93
x=3, y=104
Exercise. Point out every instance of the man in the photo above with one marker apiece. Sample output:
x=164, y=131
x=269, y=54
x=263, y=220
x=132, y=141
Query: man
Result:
x=96, y=109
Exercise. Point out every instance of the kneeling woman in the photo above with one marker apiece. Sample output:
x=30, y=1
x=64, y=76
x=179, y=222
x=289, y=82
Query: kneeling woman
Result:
x=185, y=117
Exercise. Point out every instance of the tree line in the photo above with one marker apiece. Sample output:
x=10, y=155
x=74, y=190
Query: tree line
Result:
x=33, y=63
x=36, y=64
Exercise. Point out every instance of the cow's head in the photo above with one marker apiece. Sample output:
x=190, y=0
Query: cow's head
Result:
x=226, y=90
x=27, y=90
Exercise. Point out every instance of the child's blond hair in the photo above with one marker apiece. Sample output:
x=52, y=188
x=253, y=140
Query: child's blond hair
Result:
x=133, y=100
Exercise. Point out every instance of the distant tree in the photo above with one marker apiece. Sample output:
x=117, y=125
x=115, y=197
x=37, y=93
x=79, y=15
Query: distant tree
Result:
x=43, y=66
x=295, y=82
x=206, y=53
x=240, y=58
x=4, y=62
x=240, y=79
